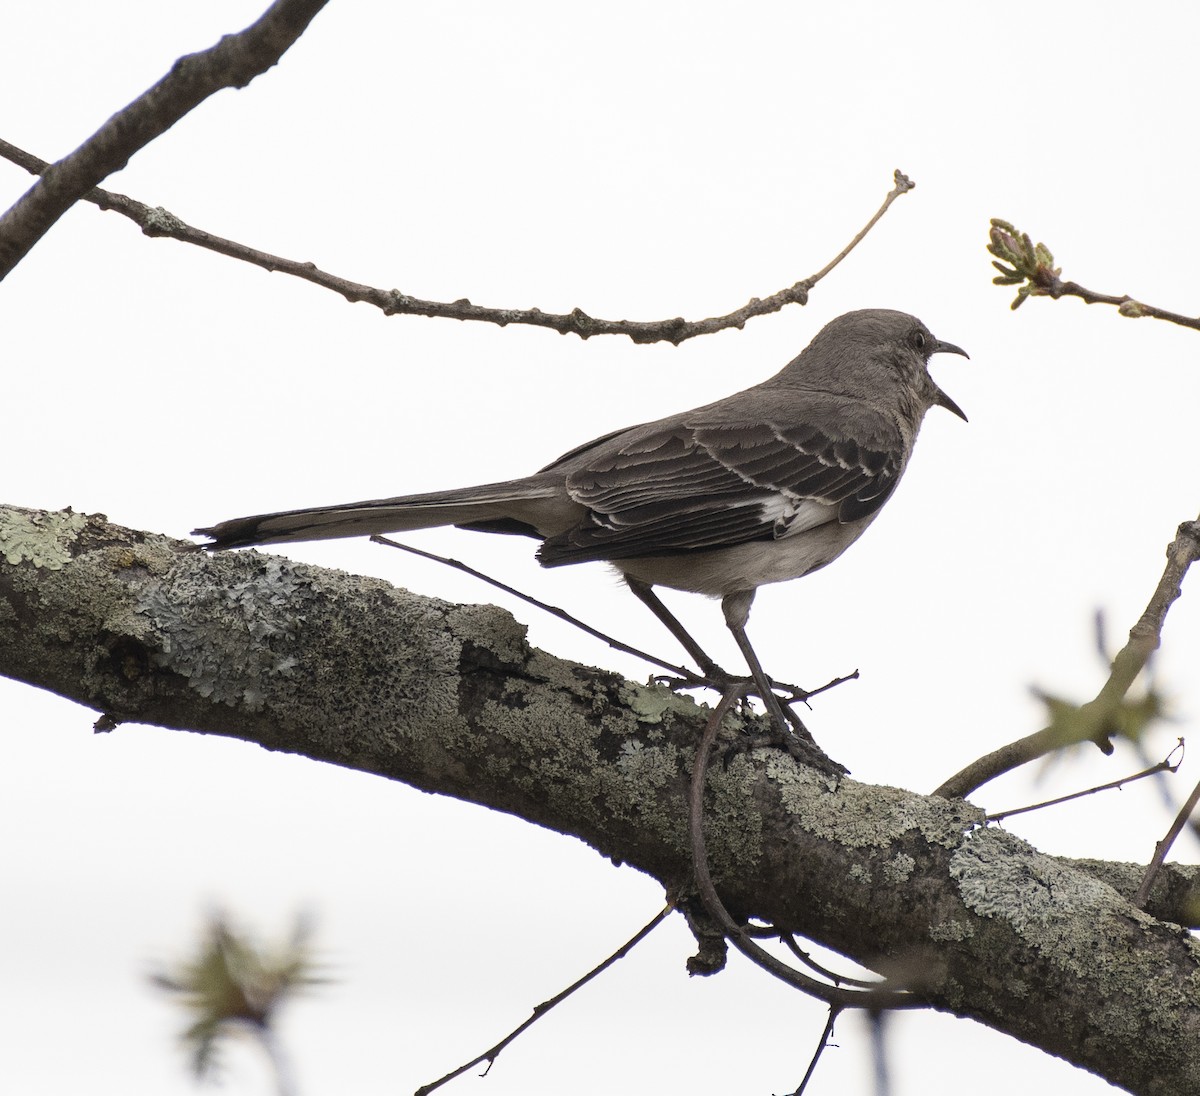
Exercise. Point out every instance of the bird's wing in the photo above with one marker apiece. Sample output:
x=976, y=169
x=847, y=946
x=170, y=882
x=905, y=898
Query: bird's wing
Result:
x=705, y=483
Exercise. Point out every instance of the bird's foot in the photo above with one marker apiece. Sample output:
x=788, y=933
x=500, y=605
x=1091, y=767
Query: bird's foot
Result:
x=787, y=729
x=717, y=679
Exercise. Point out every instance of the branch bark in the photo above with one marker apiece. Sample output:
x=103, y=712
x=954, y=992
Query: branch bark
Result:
x=451, y=699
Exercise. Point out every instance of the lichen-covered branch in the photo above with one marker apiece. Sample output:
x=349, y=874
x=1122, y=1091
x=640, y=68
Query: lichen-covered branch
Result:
x=452, y=699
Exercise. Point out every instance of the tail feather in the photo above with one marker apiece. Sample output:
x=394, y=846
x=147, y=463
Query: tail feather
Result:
x=538, y=503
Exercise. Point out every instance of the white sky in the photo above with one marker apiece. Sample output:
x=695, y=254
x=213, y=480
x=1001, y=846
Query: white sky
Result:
x=637, y=161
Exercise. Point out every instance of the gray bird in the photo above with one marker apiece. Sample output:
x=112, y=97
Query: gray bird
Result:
x=763, y=486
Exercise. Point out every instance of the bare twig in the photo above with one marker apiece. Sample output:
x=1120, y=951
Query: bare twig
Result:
x=822, y=1043
x=392, y=302
x=1165, y=765
x=684, y=679
x=837, y=979
x=233, y=62
x=539, y=1011
x=882, y=997
x=1093, y=722
x=1164, y=846
x=687, y=676
x=1031, y=267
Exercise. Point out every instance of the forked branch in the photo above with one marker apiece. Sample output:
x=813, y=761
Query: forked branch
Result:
x=232, y=63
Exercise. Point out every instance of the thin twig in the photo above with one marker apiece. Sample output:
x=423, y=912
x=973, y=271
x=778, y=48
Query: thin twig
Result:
x=1164, y=846
x=823, y=1042
x=160, y=222
x=684, y=679
x=1164, y=765
x=790, y=943
x=1031, y=267
x=687, y=675
x=233, y=62
x=1093, y=722
x=539, y=1011
x=882, y=997
x=903, y=184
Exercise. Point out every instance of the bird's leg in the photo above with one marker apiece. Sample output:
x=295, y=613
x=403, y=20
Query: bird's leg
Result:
x=713, y=674
x=736, y=608
x=646, y=595
x=796, y=737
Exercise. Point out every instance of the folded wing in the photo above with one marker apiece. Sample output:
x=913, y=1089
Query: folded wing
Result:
x=695, y=486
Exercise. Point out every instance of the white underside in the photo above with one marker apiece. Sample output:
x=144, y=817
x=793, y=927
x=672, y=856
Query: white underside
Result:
x=747, y=566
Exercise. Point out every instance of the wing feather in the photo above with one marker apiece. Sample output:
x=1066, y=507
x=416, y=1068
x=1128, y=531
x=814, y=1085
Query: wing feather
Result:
x=697, y=485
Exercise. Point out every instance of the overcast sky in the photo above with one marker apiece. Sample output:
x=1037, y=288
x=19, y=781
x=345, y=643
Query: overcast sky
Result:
x=638, y=160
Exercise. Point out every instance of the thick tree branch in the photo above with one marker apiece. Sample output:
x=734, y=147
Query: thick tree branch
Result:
x=232, y=62
x=161, y=222
x=451, y=699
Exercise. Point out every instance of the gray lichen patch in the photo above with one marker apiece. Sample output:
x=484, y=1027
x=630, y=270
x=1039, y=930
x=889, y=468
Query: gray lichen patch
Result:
x=652, y=703
x=952, y=931
x=1001, y=876
x=43, y=538
x=860, y=816
x=649, y=767
x=860, y=873
x=899, y=868
x=227, y=634
x=1081, y=926
x=732, y=810
x=488, y=626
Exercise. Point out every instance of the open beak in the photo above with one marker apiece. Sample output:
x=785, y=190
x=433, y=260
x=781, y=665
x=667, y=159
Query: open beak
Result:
x=950, y=348
x=941, y=399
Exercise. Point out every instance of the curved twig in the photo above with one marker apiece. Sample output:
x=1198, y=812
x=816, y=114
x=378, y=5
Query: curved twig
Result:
x=789, y=942
x=879, y=998
x=161, y=222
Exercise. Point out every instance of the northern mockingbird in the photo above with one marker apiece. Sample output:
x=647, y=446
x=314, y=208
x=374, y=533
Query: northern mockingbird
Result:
x=762, y=486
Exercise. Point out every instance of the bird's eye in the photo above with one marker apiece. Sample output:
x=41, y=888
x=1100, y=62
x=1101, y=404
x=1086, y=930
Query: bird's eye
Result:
x=918, y=340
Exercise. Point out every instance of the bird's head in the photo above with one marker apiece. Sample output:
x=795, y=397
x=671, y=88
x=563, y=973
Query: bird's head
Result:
x=878, y=344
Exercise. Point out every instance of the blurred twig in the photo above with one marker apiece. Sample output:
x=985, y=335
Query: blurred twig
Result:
x=1098, y=720
x=233, y=984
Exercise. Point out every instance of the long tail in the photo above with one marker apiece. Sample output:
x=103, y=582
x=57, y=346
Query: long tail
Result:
x=535, y=505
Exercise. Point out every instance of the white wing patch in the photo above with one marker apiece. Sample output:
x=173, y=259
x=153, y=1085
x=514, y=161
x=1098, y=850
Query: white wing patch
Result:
x=790, y=516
